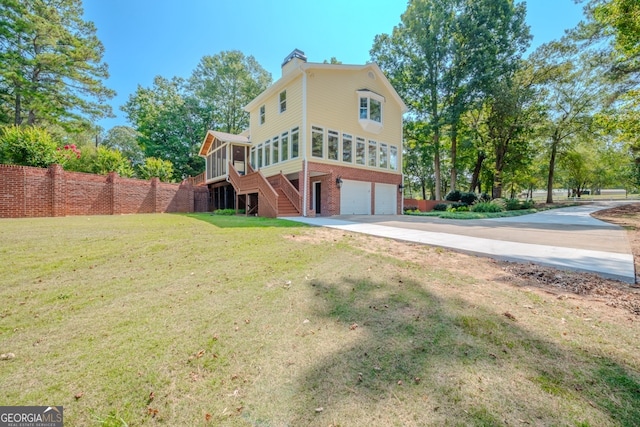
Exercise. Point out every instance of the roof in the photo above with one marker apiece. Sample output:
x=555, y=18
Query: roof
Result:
x=284, y=80
x=212, y=135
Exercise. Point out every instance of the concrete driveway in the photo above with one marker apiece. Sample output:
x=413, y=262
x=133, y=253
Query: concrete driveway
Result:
x=566, y=238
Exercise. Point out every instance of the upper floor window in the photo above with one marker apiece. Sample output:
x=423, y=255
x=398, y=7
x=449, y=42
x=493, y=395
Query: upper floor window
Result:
x=317, y=142
x=283, y=101
x=370, y=110
x=262, y=115
x=295, y=143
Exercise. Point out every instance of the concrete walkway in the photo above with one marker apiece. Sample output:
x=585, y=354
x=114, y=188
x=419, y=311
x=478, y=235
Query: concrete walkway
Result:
x=566, y=238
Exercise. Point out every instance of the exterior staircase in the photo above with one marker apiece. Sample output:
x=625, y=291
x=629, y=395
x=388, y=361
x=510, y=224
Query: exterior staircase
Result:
x=285, y=207
x=283, y=200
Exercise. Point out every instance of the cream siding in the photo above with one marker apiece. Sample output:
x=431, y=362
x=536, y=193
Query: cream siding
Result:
x=277, y=123
x=334, y=105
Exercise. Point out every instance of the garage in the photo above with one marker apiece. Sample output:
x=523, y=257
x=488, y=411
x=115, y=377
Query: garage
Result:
x=386, y=199
x=355, y=198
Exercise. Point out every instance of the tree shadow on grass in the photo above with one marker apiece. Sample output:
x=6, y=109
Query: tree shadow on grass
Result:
x=240, y=221
x=419, y=359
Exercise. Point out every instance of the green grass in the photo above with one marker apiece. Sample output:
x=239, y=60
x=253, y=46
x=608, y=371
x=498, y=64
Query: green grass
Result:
x=235, y=321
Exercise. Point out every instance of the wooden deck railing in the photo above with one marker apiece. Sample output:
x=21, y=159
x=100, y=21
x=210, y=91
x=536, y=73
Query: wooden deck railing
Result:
x=197, y=180
x=255, y=182
x=290, y=191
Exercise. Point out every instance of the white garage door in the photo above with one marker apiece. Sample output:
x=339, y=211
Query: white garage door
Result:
x=386, y=199
x=355, y=198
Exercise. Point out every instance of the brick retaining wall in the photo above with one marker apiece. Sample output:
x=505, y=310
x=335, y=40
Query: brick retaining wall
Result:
x=36, y=192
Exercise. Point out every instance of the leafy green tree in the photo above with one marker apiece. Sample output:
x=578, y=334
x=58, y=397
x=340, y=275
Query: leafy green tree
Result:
x=224, y=83
x=156, y=168
x=444, y=54
x=28, y=146
x=171, y=125
x=105, y=160
x=125, y=140
x=52, y=71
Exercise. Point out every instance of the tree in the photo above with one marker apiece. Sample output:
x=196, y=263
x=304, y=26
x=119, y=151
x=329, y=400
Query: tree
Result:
x=28, y=146
x=444, y=54
x=571, y=92
x=105, y=160
x=52, y=65
x=156, y=168
x=125, y=140
x=224, y=83
x=170, y=123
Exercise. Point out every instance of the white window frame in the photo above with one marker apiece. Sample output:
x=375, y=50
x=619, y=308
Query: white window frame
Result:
x=317, y=130
x=263, y=115
x=367, y=123
x=283, y=101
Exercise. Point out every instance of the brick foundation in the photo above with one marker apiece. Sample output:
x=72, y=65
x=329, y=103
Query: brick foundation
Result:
x=35, y=192
x=330, y=196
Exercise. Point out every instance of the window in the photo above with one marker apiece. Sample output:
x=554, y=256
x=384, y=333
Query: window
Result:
x=317, y=141
x=360, y=149
x=283, y=101
x=284, y=146
x=262, y=115
x=295, y=146
x=393, y=158
x=267, y=153
x=347, y=147
x=372, y=153
x=275, y=151
x=253, y=157
x=384, y=156
x=333, y=139
x=370, y=110
x=259, y=156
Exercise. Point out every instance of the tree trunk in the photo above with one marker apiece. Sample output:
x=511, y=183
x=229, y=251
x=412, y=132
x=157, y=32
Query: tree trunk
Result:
x=475, y=178
x=454, y=150
x=436, y=165
x=496, y=192
x=18, y=117
x=552, y=165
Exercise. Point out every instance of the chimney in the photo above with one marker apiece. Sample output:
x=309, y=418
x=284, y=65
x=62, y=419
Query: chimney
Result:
x=293, y=60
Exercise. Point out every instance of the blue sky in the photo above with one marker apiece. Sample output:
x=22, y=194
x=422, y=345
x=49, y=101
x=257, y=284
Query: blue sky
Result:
x=146, y=38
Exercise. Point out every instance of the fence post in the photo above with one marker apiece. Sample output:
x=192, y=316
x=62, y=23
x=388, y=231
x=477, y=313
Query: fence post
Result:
x=58, y=190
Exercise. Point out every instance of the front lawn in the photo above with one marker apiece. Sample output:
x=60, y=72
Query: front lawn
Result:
x=187, y=320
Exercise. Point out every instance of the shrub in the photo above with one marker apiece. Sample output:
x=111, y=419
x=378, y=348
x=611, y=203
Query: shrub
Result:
x=156, y=168
x=487, y=207
x=458, y=207
x=453, y=196
x=410, y=208
x=528, y=204
x=484, y=197
x=227, y=211
x=440, y=207
x=28, y=146
x=512, y=204
x=468, y=198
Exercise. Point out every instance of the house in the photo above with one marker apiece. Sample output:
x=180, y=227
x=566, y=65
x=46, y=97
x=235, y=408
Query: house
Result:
x=325, y=139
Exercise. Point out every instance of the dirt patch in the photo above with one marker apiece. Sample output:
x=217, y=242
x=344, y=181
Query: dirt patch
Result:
x=589, y=288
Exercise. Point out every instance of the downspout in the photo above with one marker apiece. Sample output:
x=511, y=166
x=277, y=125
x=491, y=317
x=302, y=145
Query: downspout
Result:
x=400, y=165
x=303, y=144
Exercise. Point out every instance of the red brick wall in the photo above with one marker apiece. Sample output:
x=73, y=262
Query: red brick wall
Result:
x=36, y=192
x=422, y=205
x=330, y=202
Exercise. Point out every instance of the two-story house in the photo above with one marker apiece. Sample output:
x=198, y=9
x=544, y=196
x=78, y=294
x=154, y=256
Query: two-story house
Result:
x=325, y=139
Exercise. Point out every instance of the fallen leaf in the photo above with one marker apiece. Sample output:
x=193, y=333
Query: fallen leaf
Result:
x=320, y=409
x=200, y=354
x=152, y=396
x=207, y=417
x=353, y=327
x=79, y=395
x=509, y=316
